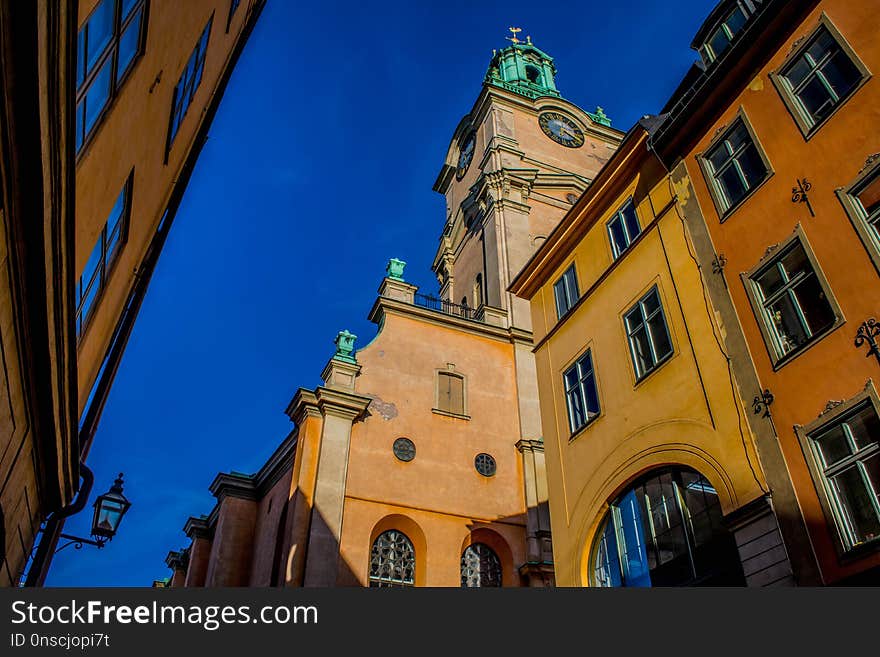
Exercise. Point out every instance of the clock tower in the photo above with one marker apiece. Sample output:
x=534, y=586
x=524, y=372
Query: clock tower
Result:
x=515, y=165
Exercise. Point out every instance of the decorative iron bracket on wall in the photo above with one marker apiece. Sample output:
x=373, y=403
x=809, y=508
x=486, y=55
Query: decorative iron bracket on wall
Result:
x=799, y=194
x=869, y=331
x=762, y=403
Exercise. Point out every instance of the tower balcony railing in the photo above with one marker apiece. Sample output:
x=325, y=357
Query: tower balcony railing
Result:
x=445, y=306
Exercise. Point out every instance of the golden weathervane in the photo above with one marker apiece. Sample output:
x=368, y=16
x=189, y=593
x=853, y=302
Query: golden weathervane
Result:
x=514, y=31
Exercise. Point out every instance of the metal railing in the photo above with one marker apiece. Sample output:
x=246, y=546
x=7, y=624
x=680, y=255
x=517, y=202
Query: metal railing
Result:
x=445, y=306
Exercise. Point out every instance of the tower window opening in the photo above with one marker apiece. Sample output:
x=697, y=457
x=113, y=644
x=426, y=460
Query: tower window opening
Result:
x=533, y=74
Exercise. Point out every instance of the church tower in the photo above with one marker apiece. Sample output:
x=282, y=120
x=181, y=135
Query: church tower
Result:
x=516, y=163
x=419, y=461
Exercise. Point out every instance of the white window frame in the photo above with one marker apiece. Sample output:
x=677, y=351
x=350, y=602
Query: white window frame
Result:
x=568, y=285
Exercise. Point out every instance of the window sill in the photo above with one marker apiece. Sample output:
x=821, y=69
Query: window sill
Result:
x=859, y=551
x=724, y=216
x=459, y=416
x=809, y=130
x=660, y=363
x=580, y=432
x=781, y=362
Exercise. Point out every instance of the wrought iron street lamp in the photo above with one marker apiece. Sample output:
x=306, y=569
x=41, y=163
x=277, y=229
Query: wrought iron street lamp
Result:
x=109, y=511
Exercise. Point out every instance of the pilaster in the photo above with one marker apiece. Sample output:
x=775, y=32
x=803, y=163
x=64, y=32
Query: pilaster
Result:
x=306, y=415
x=339, y=408
x=538, y=568
x=201, y=534
x=178, y=562
x=232, y=548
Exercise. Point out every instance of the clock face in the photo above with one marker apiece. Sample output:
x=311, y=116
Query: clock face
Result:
x=561, y=129
x=465, y=156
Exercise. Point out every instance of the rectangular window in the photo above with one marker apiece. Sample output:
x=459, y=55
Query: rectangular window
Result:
x=649, y=340
x=107, y=46
x=233, y=6
x=566, y=291
x=720, y=39
x=820, y=77
x=734, y=166
x=97, y=270
x=581, y=395
x=189, y=81
x=623, y=228
x=450, y=393
x=794, y=303
x=861, y=200
x=848, y=453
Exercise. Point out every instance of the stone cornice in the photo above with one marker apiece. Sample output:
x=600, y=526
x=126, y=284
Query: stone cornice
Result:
x=389, y=306
x=341, y=403
x=482, y=106
x=233, y=484
x=177, y=560
x=277, y=464
x=304, y=403
x=530, y=445
x=255, y=486
x=198, y=528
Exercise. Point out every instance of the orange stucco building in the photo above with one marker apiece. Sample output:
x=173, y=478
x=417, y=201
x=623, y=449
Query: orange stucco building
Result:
x=420, y=461
x=729, y=248
x=104, y=128
x=773, y=146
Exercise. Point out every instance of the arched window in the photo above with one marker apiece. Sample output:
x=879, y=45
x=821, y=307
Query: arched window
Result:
x=480, y=566
x=392, y=560
x=666, y=531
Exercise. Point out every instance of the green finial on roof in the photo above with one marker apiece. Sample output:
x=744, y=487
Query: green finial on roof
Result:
x=345, y=346
x=394, y=269
x=599, y=117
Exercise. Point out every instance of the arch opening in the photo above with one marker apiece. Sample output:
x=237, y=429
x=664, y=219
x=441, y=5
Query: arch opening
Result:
x=665, y=529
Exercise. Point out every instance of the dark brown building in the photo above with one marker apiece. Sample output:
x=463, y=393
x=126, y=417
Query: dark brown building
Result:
x=104, y=108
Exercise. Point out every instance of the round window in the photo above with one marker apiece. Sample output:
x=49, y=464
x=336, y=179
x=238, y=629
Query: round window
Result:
x=485, y=465
x=404, y=449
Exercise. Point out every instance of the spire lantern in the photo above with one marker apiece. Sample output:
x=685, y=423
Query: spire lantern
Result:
x=523, y=68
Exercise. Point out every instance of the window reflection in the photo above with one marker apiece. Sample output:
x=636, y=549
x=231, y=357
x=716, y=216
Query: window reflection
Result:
x=666, y=531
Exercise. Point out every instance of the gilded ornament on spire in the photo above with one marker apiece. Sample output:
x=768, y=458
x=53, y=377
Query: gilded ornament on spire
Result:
x=514, y=31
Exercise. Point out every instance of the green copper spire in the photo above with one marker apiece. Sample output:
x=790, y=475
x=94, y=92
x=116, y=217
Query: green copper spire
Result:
x=345, y=346
x=523, y=69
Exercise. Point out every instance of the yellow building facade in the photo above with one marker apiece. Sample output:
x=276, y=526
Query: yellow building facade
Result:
x=653, y=473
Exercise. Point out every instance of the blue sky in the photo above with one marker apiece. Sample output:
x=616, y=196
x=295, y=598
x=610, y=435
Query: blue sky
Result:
x=318, y=168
